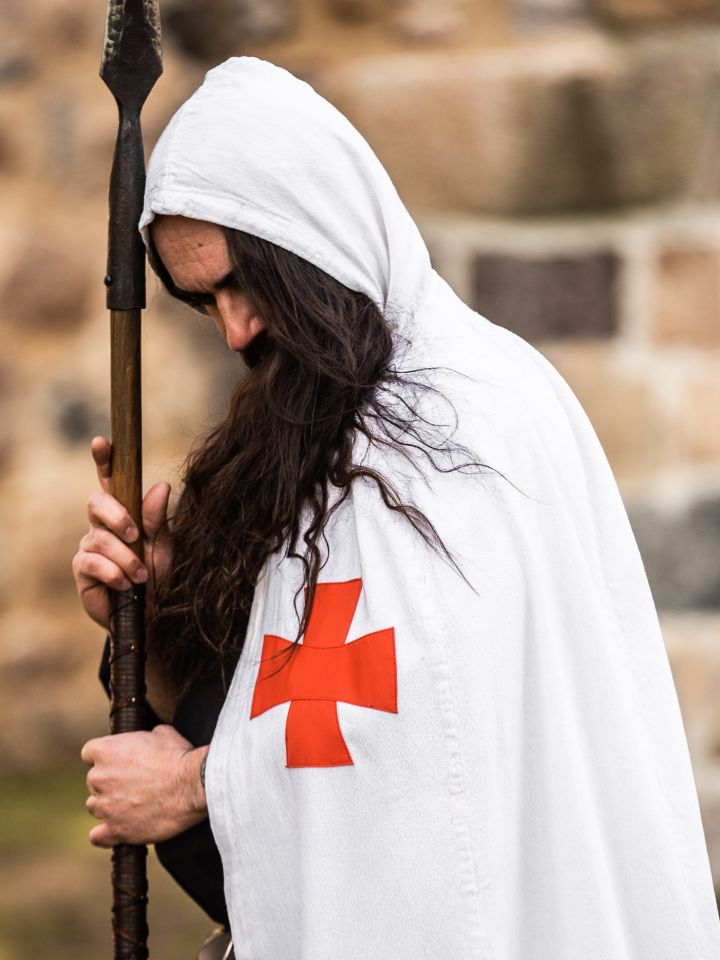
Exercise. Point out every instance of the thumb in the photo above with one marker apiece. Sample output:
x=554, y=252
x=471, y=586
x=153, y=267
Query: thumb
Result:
x=154, y=508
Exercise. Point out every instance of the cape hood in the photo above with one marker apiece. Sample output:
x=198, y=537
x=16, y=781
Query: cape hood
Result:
x=492, y=767
x=257, y=149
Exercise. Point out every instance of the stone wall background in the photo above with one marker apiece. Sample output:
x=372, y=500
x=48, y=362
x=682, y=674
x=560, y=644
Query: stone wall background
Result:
x=561, y=157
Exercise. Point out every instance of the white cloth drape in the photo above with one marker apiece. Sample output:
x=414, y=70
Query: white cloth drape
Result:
x=485, y=767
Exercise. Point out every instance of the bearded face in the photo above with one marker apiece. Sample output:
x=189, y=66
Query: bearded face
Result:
x=194, y=259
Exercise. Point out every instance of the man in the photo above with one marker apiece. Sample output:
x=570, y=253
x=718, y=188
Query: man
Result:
x=451, y=728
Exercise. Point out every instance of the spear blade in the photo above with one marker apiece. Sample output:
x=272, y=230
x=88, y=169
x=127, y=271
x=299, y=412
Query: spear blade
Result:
x=132, y=58
x=131, y=64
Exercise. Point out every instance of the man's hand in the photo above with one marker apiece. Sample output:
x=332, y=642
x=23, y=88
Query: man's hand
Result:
x=144, y=786
x=104, y=558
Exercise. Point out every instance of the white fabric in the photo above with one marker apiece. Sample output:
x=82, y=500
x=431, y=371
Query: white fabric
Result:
x=532, y=798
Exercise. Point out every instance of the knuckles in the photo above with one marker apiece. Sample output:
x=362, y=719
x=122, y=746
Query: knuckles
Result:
x=93, y=750
x=94, y=781
x=102, y=838
x=95, y=538
x=117, y=581
x=104, y=509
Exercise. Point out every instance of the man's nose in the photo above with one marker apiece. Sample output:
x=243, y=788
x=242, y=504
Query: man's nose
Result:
x=239, y=318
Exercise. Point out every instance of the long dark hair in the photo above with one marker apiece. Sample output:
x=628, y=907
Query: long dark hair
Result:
x=324, y=370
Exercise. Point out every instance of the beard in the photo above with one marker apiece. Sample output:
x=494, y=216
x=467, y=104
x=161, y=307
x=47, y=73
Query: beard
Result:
x=245, y=487
x=263, y=479
x=258, y=349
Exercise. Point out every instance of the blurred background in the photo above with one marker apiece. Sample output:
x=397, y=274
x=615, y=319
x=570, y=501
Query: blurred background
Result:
x=561, y=158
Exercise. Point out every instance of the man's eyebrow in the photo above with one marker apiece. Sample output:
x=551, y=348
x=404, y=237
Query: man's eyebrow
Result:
x=220, y=285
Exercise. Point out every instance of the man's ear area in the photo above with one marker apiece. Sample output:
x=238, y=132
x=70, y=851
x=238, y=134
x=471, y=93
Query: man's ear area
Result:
x=153, y=257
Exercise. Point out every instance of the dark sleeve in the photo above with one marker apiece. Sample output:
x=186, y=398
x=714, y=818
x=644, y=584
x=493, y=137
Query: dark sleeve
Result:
x=192, y=858
x=193, y=861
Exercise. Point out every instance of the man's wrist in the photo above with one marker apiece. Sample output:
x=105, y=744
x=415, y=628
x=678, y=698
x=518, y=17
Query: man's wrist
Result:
x=203, y=764
x=194, y=776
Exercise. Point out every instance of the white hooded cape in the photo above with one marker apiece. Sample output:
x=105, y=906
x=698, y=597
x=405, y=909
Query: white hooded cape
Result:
x=447, y=771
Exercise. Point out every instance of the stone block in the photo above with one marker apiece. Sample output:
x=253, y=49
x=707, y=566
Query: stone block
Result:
x=681, y=551
x=428, y=20
x=217, y=29
x=49, y=688
x=8, y=154
x=691, y=640
x=79, y=418
x=48, y=287
x=549, y=298
x=685, y=304
x=64, y=133
x=18, y=56
x=642, y=12
x=559, y=125
x=60, y=136
x=638, y=431
x=699, y=410
x=353, y=11
x=8, y=434
x=540, y=14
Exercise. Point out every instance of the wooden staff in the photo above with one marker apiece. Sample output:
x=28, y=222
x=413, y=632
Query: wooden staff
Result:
x=131, y=64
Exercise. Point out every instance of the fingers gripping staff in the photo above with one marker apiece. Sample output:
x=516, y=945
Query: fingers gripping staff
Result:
x=130, y=66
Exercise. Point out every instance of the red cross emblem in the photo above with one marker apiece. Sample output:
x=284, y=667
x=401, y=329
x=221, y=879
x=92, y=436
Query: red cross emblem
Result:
x=323, y=670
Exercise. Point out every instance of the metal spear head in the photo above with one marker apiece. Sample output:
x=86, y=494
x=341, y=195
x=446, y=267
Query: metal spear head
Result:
x=132, y=59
